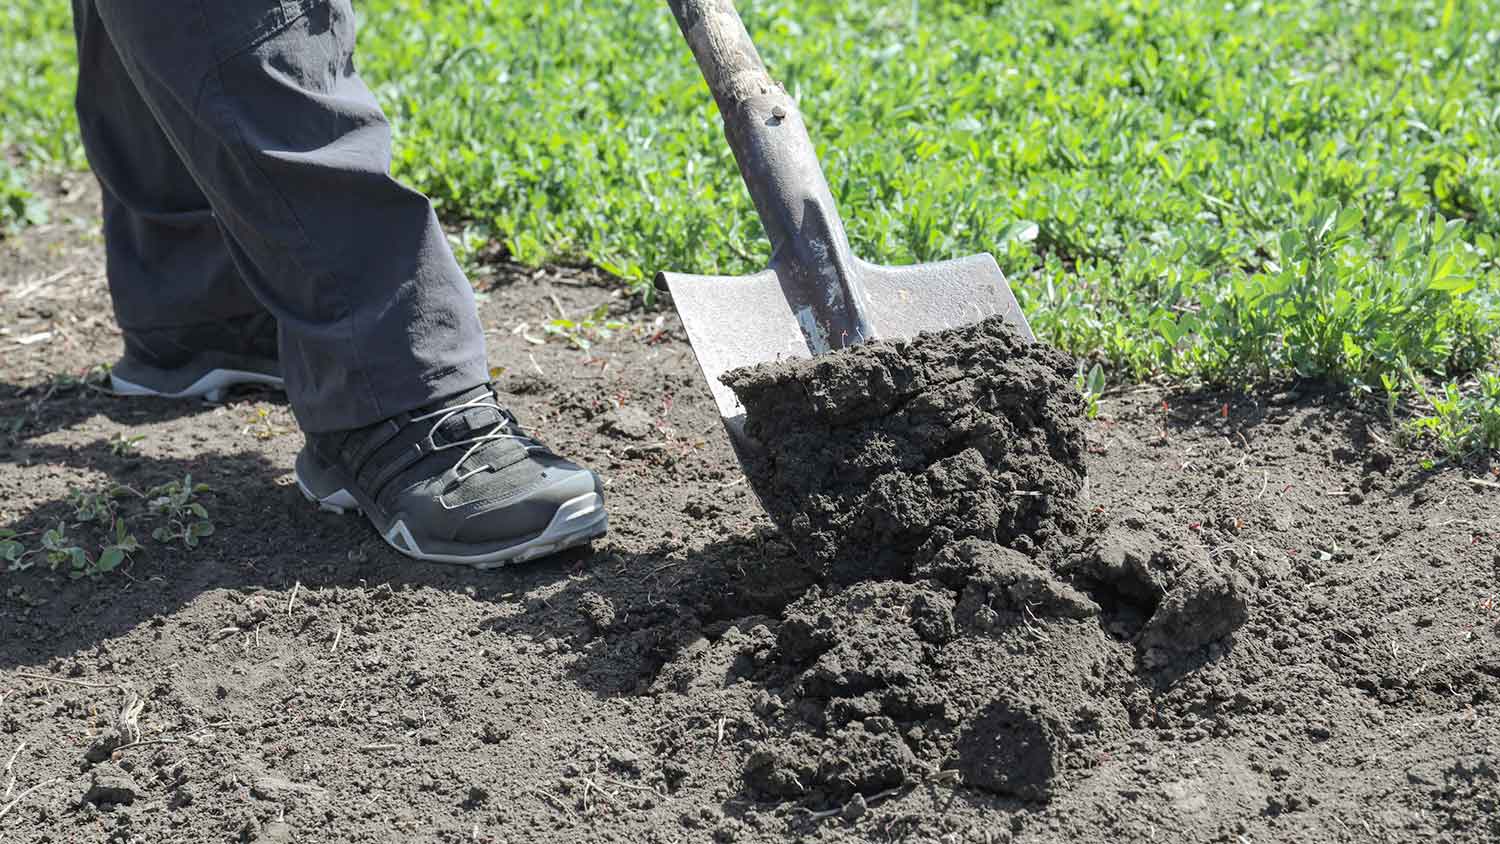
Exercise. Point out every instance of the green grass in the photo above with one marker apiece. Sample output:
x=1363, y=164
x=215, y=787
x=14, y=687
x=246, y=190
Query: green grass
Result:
x=1197, y=190
x=37, y=128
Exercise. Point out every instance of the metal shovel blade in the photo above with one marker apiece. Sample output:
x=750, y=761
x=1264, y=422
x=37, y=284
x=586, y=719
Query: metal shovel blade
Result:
x=735, y=321
x=817, y=297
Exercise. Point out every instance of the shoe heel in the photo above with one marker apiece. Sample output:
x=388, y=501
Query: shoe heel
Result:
x=307, y=471
x=340, y=502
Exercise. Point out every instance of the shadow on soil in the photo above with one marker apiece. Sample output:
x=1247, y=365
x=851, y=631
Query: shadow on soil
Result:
x=266, y=535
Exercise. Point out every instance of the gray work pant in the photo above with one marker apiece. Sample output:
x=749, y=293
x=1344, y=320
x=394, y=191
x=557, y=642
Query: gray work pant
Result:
x=245, y=166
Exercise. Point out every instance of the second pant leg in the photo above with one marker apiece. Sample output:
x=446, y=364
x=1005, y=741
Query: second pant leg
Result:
x=262, y=101
x=165, y=256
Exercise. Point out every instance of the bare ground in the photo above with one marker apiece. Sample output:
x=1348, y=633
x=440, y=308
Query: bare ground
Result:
x=292, y=679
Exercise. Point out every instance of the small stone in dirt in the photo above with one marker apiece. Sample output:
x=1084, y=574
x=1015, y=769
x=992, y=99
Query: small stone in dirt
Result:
x=857, y=640
x=1013, y=748
x=1203, y=606
x=111, y=785
x=526, y=384
x=932, y=617
x=629, y=423
x=597, y=610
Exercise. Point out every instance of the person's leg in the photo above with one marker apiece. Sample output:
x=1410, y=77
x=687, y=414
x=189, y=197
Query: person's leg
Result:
x=261, y=101
x=380, y=340
x=189, y=323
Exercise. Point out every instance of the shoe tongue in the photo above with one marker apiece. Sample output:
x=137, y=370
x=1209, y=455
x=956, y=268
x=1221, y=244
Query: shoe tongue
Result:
x=470, y=422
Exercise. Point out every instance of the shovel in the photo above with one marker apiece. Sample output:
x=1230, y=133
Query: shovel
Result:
x=816, y=297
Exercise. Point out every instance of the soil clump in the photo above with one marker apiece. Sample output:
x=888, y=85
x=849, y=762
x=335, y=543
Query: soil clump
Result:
x=883, y=453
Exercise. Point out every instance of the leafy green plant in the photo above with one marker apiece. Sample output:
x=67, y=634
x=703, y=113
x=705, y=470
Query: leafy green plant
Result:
x=63, y=552
x=1392, y=385
x=19, y=207
x=1485, y=408
x=101, y=518
x=583, y=334
x=123, y=445
x=1463, y=422
x=1091, y=385
x=265, y=426
x=60, y=549
x=11, y=549
x=186, y=519
x=94, y=377
x=99, y=506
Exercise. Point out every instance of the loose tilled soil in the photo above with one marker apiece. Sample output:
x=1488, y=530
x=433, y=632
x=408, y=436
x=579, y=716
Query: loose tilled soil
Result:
x=1199, y=617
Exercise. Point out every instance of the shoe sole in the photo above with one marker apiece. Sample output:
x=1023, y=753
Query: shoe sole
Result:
x=211, y=386
x=578, y=521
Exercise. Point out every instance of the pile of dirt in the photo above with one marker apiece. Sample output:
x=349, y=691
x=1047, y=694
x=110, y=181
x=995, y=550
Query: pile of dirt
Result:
x=971, y=621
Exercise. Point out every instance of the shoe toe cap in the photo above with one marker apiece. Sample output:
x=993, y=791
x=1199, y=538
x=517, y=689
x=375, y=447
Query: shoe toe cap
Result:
x=531, y=513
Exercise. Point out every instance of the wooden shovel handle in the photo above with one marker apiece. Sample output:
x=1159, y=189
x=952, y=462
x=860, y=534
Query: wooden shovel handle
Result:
x=726, y=55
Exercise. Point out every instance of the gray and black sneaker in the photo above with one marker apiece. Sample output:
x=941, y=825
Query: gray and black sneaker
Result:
x=458, y=481
x=199, y=361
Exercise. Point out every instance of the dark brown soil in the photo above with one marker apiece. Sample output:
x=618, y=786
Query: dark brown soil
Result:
x=1269, y=624
x=885, y=452
x=993, y=634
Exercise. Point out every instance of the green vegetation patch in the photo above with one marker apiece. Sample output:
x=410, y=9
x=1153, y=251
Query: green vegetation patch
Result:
x=1224, y=191
x=106, y=518
x=38, y=131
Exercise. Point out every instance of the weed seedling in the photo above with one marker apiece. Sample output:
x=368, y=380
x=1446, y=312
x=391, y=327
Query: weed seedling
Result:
x=11, y=550
x=264, y=425
x=1091, y=385
x=116, y=552
x=94, y=377
x=98, y=507
x=583, y=334
x=1392, y=386
x=1446, y=422
x=123, y=446
x=63, y=550
x=186, y=519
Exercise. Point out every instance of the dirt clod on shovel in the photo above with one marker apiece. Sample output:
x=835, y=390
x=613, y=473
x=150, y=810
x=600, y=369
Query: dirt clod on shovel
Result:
x=888, y=451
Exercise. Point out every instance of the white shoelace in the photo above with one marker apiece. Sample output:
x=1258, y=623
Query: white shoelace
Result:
x=501, y=431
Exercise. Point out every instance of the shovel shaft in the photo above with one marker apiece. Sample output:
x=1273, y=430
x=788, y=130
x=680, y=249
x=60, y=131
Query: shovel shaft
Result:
x=809, y=247
x=730, y=63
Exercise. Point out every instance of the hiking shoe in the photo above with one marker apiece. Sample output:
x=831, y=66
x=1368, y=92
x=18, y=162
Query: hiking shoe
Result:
x=459, y=481
x=199, y=361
